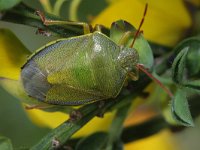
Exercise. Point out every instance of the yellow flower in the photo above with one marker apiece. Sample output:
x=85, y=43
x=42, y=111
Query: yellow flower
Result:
x=165, y=23
x=161, y=141
x=11, y=63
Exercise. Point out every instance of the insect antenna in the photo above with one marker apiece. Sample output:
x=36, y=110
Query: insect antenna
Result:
x=143, y=69
x=141, y=23
x=140, y=66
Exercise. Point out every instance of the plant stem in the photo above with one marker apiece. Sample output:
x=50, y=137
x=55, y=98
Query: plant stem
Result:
x=117, y=126
x=63, y=132
x=22, y=14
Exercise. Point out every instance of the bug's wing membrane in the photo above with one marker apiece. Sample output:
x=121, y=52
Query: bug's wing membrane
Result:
x=63, y=94
x=34, y=81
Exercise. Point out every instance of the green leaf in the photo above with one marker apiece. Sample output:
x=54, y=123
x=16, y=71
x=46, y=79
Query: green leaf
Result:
x=195, y=85
x=6, y=4
x=143, y=48
x=118, y=28
x=193, y=62
x=180, y=109
x=179, y=65
x=5, y=143
x=145, y=52
x=95, y=141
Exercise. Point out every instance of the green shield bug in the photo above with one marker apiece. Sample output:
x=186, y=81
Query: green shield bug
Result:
x=82, y=69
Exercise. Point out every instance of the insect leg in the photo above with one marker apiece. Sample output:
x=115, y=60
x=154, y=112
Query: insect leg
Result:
x=126, y=36
x=99, y=27
x=86, y=27
x=39, y=106
x=131, y=75
x=145, y=70
x=43, y=32
x=134, y=75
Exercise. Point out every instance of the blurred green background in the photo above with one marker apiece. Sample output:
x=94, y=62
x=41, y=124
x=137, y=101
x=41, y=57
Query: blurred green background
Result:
x=15, y=124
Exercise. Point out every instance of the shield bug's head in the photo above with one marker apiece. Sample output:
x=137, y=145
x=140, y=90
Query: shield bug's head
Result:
x=128, y=58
